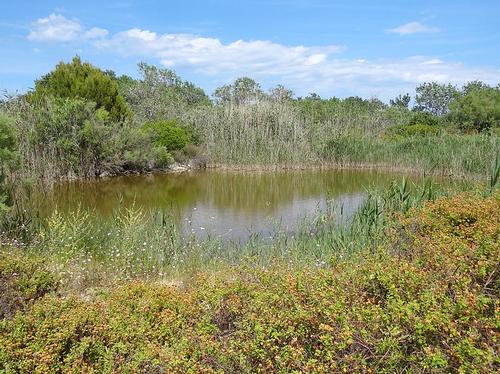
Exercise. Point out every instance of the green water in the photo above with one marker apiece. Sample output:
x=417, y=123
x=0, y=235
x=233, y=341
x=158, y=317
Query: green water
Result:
x=231, y=205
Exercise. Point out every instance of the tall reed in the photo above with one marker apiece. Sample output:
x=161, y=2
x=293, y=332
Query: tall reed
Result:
x=270, y=134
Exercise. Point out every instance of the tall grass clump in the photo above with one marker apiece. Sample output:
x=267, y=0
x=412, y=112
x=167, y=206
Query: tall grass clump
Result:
x=266, y=133
x=446, y=154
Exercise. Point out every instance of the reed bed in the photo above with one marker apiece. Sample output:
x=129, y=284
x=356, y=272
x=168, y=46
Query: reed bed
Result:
x=272, y=135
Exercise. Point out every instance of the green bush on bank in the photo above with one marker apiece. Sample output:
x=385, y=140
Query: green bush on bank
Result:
x=419, y=124
x=423, y=118
x=168, y=134
x=405, y=131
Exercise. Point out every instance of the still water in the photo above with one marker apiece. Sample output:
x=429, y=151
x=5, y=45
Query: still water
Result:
x=230, y=205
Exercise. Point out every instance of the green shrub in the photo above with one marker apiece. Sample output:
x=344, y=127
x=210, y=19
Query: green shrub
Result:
x=412, y=130
x=478, y=110
x=428, y=302
x=163, y=158
x=419, y=124
x=168, y=134
x=423, y=118
x=23, y=280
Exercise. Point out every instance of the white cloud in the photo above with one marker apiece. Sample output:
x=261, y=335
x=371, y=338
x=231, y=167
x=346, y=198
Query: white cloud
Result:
x=300, y=67
x=55, y=28
x=433, y=61
x=413, y=28
x=95, y=33
x=303, y=68
x=210, y=56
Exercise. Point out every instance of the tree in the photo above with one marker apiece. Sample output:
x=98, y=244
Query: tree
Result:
x=312, y=96
x=473, y=85
x=478, y=110
x=280, y=94
x=160, y=93
x=77, y=80
x=401, y=101
x=242, y=92
x=376, y=103
x=435, y=98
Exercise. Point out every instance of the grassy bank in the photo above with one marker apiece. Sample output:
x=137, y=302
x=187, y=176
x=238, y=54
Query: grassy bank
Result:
x=423, y=299
x=136, y=126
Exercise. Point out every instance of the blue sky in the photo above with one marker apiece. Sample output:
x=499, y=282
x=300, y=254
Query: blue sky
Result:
x=334, y=48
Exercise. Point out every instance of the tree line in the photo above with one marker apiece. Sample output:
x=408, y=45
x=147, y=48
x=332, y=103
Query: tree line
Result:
x=81, y=121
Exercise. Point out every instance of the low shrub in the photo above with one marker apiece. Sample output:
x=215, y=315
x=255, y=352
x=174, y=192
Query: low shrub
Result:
x=162, y=157
x=419, y=124
x=412, y=130
x=423, y=118
x=169, y=134
x=428, y=302
x=23, y=280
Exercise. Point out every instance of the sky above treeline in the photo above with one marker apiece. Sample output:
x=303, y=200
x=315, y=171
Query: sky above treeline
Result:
x=333, y=48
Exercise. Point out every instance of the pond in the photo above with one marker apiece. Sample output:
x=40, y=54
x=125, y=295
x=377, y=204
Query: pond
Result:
x=225, y=204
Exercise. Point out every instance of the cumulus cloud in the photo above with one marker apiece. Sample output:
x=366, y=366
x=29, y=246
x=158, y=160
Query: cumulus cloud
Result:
x=303, y=68
x=95, y=33
x=211, y=56
x=413, y=28
x=387, y=78
x=317, y=66
x=57, y=28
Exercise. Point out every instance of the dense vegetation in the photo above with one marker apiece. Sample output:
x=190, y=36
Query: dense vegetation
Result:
x=410, y=284
x=80, y=121
x=425, y=301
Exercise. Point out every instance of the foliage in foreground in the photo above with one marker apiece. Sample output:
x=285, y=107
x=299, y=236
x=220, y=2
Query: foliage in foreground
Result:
x=23, y=280
x=428, y=301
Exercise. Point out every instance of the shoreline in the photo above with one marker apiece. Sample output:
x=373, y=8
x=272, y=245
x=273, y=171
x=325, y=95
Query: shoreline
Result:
x=179, y=168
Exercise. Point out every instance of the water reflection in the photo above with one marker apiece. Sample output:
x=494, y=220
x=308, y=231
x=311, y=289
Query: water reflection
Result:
x=228, y=204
